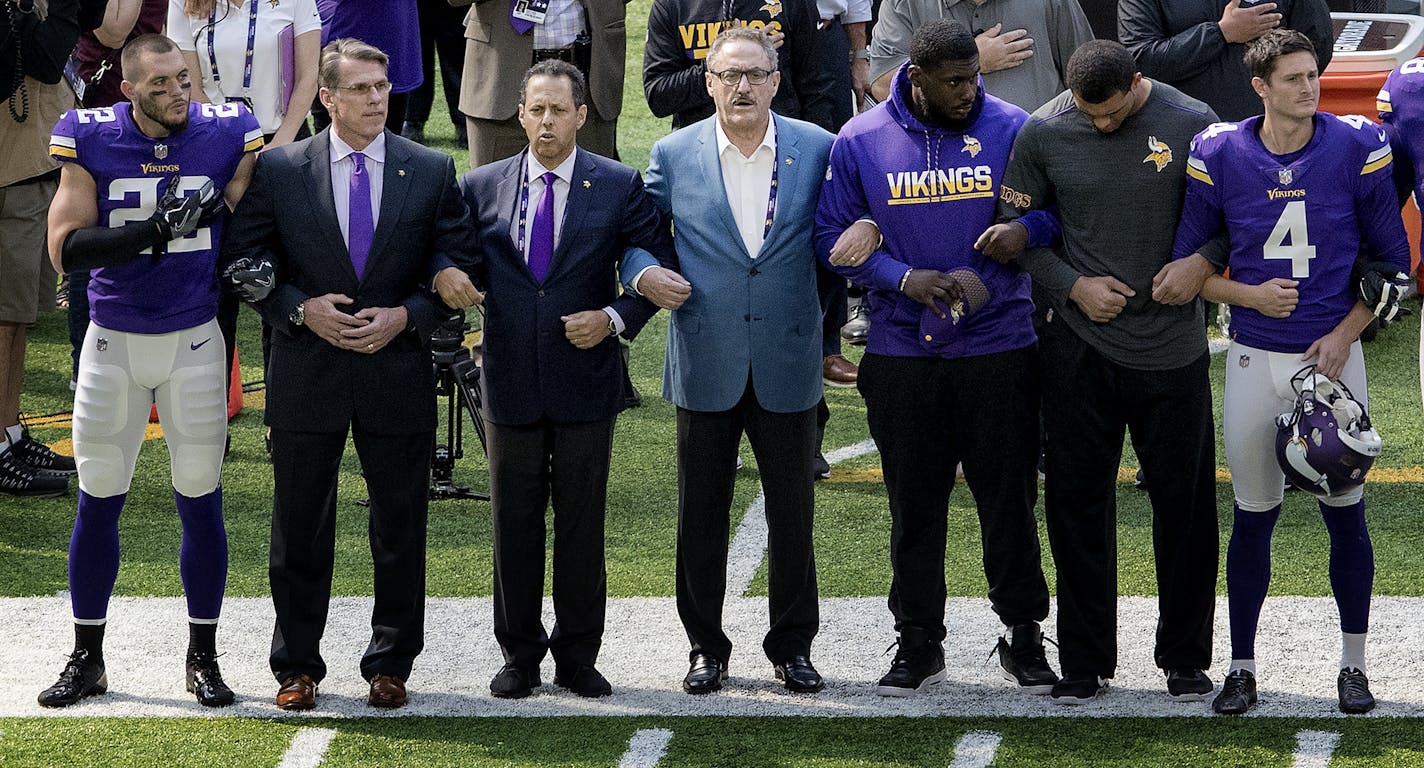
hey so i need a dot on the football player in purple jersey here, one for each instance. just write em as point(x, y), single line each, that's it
point(1401, 107)
point(1298, 192)
point(141, 204)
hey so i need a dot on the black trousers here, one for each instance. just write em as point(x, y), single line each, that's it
point(928, 414)
point(1088, 403)
point(529, 464)
point(397, 472)
point(784, 444)
point(442, 31)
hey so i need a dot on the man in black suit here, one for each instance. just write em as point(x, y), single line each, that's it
point(553, 225)
point(351, 225)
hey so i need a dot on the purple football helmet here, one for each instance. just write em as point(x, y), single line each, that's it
point(1325, 445)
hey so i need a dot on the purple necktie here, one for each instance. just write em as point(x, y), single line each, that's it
point(521, 26)
point(541, 238)
point(360, 228)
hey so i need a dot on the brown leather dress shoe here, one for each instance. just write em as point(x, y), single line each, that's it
point(298, 692)
point(837, 371)
point(387, 692)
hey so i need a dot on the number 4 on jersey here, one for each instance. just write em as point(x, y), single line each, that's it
point(1291, 226)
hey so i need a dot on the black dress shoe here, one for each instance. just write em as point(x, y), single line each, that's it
point(583, 680)
point(80, 678)
point(704, 674)
point(203, 680)
point(798, 676)
point(514, 683)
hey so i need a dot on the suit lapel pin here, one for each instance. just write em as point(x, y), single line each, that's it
point(400, 172)
point(788, 161)
point(587, 184)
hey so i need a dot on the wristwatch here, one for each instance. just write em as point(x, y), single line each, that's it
point(299, 315)
point(862, 54)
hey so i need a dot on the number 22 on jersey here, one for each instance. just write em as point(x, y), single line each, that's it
point(1291, 227)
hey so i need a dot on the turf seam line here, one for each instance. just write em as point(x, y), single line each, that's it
point(308, 748)
point(646, 748)
point(976, 749)
point(1314, 748)
point(749, 546)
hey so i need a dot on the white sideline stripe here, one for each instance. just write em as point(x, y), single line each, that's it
point(308, 748)
point(976, 750)
point(644, 656)
point(749, 546)
point(1313, 749)
point(646, 748)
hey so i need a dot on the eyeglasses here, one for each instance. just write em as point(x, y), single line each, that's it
point(733, 77)
point(361, 89)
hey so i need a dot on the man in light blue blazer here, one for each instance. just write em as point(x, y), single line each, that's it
point(744, 350)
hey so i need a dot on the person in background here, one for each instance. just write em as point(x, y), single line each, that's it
point(390, 25)
point(442, 32)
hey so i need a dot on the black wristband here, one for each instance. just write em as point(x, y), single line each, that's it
point(94, 247)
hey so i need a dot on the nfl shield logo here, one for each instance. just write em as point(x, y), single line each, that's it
point(160, 151)
point(1285, 175)
point(101, 344)
point(1244, 361)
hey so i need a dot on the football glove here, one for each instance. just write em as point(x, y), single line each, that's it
point(252, 279)
point(177, 215)
point(1380, 287)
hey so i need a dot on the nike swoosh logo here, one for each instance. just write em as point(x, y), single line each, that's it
point(265, 282)
point(201, 343)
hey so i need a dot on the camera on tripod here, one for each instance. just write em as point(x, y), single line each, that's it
point(457, 379)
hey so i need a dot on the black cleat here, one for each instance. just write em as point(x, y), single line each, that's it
point(203, 680)
point(20, 479)
point(41, 459)
point(1023, 660)
point(1079, 690)
point(1238, 694)
point(81, 678)
point(511, 682)
point(1186, 684)
point(913, 671)
point(1354, 688)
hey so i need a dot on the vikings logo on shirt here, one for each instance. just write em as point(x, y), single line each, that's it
point(1159, 153)
point(972, 146)
point(772, 8)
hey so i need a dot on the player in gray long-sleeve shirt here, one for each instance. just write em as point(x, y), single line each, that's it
point(1111, 156)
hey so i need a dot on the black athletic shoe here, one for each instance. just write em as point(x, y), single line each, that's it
point(1355, 696)
point(40, 458)
point(1079, 690)
point(914, 669)
point(80, 678)
point(1186, 684)
point(1238, 694)
point(203, 680)
point(18, 478)
point(1023, 660)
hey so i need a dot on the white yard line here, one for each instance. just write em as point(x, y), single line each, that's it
point(646, 748)
point(644, 655)
point(749, 546)
point(976, 750)
point(1313, 749)
point(308, 748)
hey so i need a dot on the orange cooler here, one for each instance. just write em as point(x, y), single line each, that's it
point(1368, 46)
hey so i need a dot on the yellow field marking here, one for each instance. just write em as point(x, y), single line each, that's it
point(1129, 474)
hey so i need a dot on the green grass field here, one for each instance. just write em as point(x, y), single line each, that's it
point(852, 542)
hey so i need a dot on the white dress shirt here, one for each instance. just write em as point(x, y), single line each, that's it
point(342, 167)
point(563, 178)
point(747, 181)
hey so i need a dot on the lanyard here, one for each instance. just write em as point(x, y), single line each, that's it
point(524, 201)
point(771, 197)
point(251, 44)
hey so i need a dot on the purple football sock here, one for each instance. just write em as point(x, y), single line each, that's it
point(202, 562)
point(94, 555)
point(1352, 564)
point(1248, 575)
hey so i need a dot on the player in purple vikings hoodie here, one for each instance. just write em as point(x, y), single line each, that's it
point(950, 370)
point(140, 203)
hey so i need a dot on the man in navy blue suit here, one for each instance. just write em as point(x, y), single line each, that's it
point(553, 224)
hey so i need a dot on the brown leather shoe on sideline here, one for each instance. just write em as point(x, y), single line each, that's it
point(298, 692)
point(387, 692)
point(837, 371)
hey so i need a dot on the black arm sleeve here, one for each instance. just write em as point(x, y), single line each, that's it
point(672, 82)
point(94, 247)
